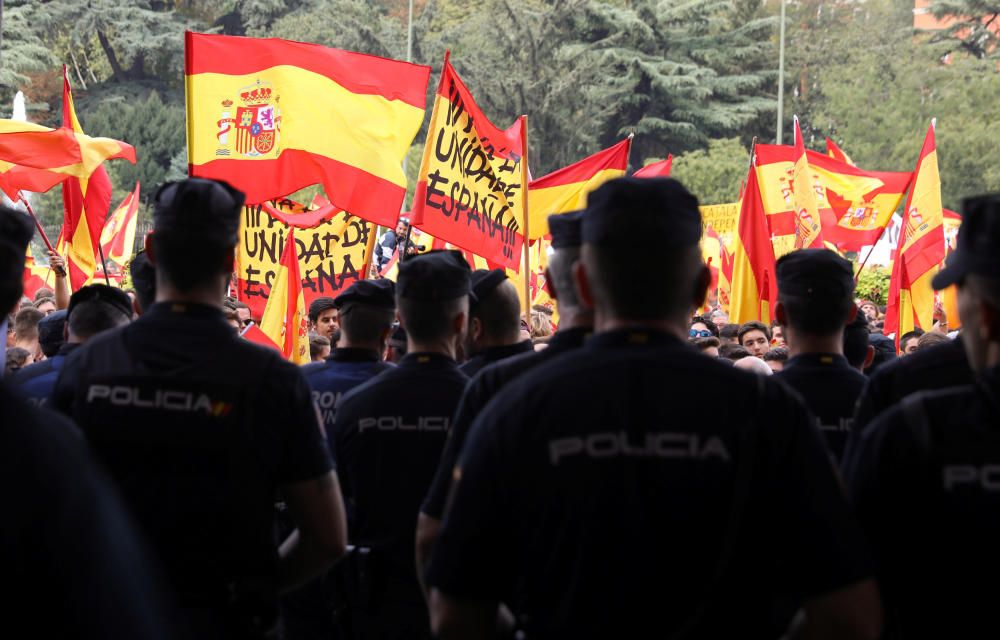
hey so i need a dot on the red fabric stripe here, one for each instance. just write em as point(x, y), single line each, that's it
point(926, 253)
point(40, 149)
point(756, 241)
point(358, 73)
point(349, 188)
point(659, 169)
point(615, 157)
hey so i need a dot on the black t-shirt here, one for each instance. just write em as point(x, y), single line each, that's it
point(594, 497)
point(925, 480)
point(388, 438)
point(478, 392)
point(830, 388)
point(200, 429)
point(488, 356)
point(72, 561)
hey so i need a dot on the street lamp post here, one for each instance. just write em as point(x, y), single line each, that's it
point(781, 73)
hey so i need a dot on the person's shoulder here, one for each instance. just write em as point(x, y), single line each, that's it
point(31, 372)
point(36, 432)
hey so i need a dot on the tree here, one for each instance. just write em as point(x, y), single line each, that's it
point(22, 48)
point(973, 26)
point(714, 175)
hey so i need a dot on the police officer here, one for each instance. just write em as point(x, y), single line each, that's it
point(575, 324)
point(201, 429)
point(595, 500)
point(72, 561)
point(388, 438)
point(92, 309)
point(143, 277)
point(366, 311)
point(494, 321)
point(925, 477)
point(815, 303)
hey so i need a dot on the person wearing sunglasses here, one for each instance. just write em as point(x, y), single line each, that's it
point(702, 327)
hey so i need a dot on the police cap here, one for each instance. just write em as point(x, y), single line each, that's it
point(817, 273)
point(485, 281)
point(565, 229)
point(978, 238)
point(659, 208)
point(51, 332)
point(380, 294)
point(100, 293)
point(432, 276)
point(319, 305)
point(199, 208)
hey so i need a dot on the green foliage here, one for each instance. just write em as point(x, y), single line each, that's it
point(715, 174)
point(24, 49)
point(974, 26)
point(873, 284)
point(155, 129)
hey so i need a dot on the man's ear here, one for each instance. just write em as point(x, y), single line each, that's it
point(852, 315)
point(701, 287)
point(150, 252)
point(869, 357)
point(781, 314)
point(582, 282)
point(550, 286)
point(475, 328)
point(230, 263)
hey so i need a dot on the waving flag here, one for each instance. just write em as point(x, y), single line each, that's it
point(272, 116)
point(753, 287)
point(659, 169)
point(118, 235)
point(566, 189)
point(472, 187)
point(920, 250)
point(808, 228)
point(284, 320)
point(837, 153)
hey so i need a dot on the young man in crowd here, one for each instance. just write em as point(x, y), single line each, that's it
point(755, 337)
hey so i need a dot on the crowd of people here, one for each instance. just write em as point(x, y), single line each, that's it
point(448, 467)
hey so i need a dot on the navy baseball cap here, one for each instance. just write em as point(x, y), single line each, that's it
point(435, 275)
point(659, 208)
point(373, 293)
point(566, 229)
point(207, 209)
point(814, 273)
point(978, 239)
point(484, 281)
point(100, 293)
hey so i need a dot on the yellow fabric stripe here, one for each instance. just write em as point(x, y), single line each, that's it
point(562, 199)
point(317, 115)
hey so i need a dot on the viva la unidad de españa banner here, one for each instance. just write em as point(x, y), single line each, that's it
point(332, 256)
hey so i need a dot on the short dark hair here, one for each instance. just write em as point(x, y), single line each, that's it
point(916, 333)
point(26, 322)
point(753, 325)
point(816, 315)
point(733, 352)
point(15, 358)
point(40, 301)
point(729, 331)
point(777, 354)
point(930, 339)
point(364, 323)
point(499, 311)
point(143, 275)
point(316, 344)
point(91, 317)
point(707, 343)
point(427, 320)
point(190, 261)
point(44, 292)
point(856, 342)
point(633, 285)
point(714, 328)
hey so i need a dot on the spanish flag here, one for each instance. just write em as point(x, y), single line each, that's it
point(920, 250)
point(837, 153)
point(118, 235)
point(724, 273)
point(808, 230)
point(473, 182)
point(659, 169)
point(271, 116)
point(285, 320)
point(36, 276)
point(949, 296)
point(566, 189)
point(753, 287)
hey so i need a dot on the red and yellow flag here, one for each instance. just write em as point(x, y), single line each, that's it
point(36, 276)
point(920, 250)
point(285, 320)
point(118, 235)
point(472, 188)
point(724, 272)
point(753, 287)
point(837, 153)
point(808, 228)
point(272, 116)
point(659, 169)
point(566, 189)
point(86, 201)
point(949, 296)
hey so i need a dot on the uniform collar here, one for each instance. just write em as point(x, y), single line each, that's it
point(67, 348)
point(570, 338)
point(633, 337)
point(353, 354)
point(425, 359)
point(492, 354)
point(183, 310)
point(817, 360)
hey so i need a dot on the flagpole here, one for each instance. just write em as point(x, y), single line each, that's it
point(781, 75)
point(527, 259)
point(857, 275)
point(38, 225)
point(104, 264)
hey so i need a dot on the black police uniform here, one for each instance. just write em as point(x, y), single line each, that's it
point(199, 428)
point(480, 390)
point(36, 382)
point(830, 387)
point(387, 440)
point(596, 501)
point(925, 480)
point(568, 507)
point(71, 557)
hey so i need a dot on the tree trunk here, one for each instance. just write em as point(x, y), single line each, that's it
point(116, 67)
point(136, 72)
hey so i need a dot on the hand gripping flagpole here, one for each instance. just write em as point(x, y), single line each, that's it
point(38, 225)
